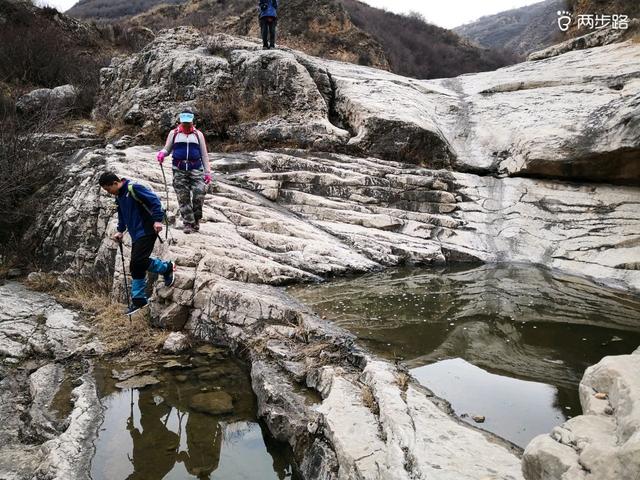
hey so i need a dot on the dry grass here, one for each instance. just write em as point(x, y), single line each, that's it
point(403, 381)
point(114, 330)
point(369, 400)
point(121, 336)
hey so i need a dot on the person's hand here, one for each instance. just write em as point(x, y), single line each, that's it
point(118, 236)
point(157, 226)
point(207, 178)
point(160, 156)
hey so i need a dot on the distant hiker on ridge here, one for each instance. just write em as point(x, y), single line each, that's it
point(189, 153)
point(140, 213)
point(268, 17)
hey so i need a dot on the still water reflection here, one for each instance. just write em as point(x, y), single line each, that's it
point(160, 432)
point(509, 343)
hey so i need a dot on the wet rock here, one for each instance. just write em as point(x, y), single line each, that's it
point(604, 442)
point(176, 342)
point(181, 378)
point(478, 418)
point(320, 462)
point(138, 382)
point(213, 403)
point(69, 455)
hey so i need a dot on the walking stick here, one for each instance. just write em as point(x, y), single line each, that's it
point(166, 216)
point(124, 274)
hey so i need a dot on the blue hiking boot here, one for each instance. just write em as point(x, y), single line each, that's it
point(169, 277)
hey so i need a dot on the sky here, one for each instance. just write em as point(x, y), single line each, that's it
point(447, 13)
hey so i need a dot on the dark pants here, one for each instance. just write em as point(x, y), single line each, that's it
point(268, 30)
point(140, 253)
point(141, 263)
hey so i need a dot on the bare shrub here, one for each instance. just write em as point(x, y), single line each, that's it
point(36, 52)
point(24, 169)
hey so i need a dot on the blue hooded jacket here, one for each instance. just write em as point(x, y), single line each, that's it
point(132, 216)
point(268, 8)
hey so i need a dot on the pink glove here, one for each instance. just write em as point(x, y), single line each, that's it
point(160, 156)
point(207, 178)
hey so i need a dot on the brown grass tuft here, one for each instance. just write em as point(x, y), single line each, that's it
point(369, 400)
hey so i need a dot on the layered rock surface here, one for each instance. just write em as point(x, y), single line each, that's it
point(291, 216)
point(574, 116)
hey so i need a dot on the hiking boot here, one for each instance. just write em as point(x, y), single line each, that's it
point(196, 226)
point(188, 228)
point(137, 305)
point(169, 277)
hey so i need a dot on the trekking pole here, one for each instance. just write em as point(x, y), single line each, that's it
point(166, 216)
point(124, 274)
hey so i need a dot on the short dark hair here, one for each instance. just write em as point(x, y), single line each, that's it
point(108, 178)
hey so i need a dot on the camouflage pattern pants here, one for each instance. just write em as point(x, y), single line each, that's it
point(190, 190)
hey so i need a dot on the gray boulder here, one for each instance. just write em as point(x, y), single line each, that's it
point(43, 99)
point(604, 442)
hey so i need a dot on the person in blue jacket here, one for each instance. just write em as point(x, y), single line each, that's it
point(140, 213)
point(268, 17)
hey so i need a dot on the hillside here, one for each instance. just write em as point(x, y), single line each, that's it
point(114, 9)
point(520, 31)
point(418, 49)
point(346, 30)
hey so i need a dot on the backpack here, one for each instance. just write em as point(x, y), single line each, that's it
point(133, 194)
point(263, 5)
